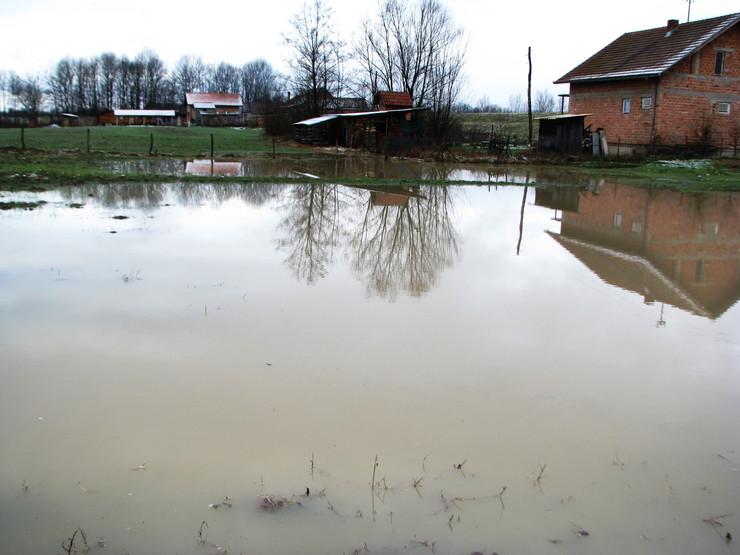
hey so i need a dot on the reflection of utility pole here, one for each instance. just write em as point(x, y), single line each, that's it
point(521, 218)
point(555, 217)
point(661, 323)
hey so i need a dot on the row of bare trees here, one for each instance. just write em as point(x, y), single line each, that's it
point(94, 85)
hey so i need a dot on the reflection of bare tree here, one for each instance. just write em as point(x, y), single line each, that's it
point(405, 247)
point(151, 195)
point(314, 228)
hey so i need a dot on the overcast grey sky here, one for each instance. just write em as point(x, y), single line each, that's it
point(37, 33)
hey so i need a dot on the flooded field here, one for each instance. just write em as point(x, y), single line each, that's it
point(266, 369)
point(329, 166)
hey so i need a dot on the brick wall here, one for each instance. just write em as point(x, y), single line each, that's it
point(686, 108)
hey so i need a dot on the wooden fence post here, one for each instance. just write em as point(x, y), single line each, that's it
point(151, 143)
point(211, 146)
point(273, 147)
point(87, 140)
point(529, 94)
point(23, 137)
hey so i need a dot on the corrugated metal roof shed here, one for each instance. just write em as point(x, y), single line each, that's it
point(649, 53)
point(219, 99)
point(144, 113)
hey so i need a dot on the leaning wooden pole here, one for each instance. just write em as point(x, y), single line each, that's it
point(529, 93)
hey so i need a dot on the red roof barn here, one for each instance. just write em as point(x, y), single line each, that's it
point(673, 85)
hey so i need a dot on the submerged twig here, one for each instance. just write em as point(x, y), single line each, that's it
point(225, 503)
point(70, 547)
point(201, 535)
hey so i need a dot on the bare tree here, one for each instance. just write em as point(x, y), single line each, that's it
point(317, 56)
point(190, 75)
point(108, 77)
point(155, 75)
point(225, 78)
point(28, 93)
point(544, 101)
point(517, 103)
point(414, 47)
point(259, 83)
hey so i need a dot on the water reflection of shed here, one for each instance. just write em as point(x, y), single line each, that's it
point(562, 134)
point(211, 167)
point(557, 198)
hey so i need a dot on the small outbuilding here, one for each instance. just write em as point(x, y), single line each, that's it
point(562, 134)
point(214, 109)
point(139, 117)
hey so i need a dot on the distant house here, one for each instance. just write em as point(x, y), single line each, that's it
point(214, 109)
point(673, 85)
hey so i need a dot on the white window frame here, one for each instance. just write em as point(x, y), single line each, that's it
point(626, 105)
point(717, 54)
point(646, 102)
point(721, 105)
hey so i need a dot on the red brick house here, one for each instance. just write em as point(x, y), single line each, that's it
point(674, 85)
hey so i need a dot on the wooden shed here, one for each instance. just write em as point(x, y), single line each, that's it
point(562, 134)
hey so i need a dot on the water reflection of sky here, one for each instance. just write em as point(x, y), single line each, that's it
point(150, 345)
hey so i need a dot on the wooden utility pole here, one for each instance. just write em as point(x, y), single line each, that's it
point(87, 140)
point(688, 17)
point(211, 147)
point(529, 94)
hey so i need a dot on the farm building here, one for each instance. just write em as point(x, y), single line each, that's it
point(674, 86)
point(139, 117)
point(214, 109)
point(562, 134)
point(381, 131)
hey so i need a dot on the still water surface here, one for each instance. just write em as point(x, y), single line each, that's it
point(250, 341)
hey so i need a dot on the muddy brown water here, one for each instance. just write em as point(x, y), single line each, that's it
point(259, 340)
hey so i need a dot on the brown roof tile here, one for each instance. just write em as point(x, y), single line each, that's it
point(392, 98)
point(651, 52)
point(220, 99)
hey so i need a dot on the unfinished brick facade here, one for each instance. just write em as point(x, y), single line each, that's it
point(688, 104)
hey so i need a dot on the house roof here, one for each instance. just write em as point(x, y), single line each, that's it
point(391, 98)
point(649, 53)
point(144, 113)
point(219, 99)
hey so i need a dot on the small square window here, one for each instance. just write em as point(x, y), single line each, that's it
point(710, 228)
point(719, 62)
point(626, 105)
point(617, 219)
point(647, 102)
point(636, 227)
point(723, 108)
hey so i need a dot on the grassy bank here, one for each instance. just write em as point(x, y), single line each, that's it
point(178, 142)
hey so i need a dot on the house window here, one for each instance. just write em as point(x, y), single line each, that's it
point(723, 108)
point(719, 62)
point(711, 228)
point(617, 219)
point(626, 105)
point(647, 102)
point(699, 271)
point(636, 227)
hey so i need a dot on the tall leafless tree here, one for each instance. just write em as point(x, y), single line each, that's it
point(317, 57)
point(415, 47)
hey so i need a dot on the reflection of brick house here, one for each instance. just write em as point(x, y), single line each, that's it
point(672, 247)
point(673, 85)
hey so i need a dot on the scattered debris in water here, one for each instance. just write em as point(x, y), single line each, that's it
point(76, 205)
point(581, 533)
point(119, 217)
point(131, 276)
point(17, 205)
point(225, 503)
point(728, 537)
point(24, 487)
point(142, 466)
point(272, 503)
point(201, 535)
point(459, 466)
point(102, 542)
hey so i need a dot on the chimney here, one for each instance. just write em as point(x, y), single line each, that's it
point(672, 24)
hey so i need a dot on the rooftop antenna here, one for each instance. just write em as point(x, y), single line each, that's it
point(688, 17)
